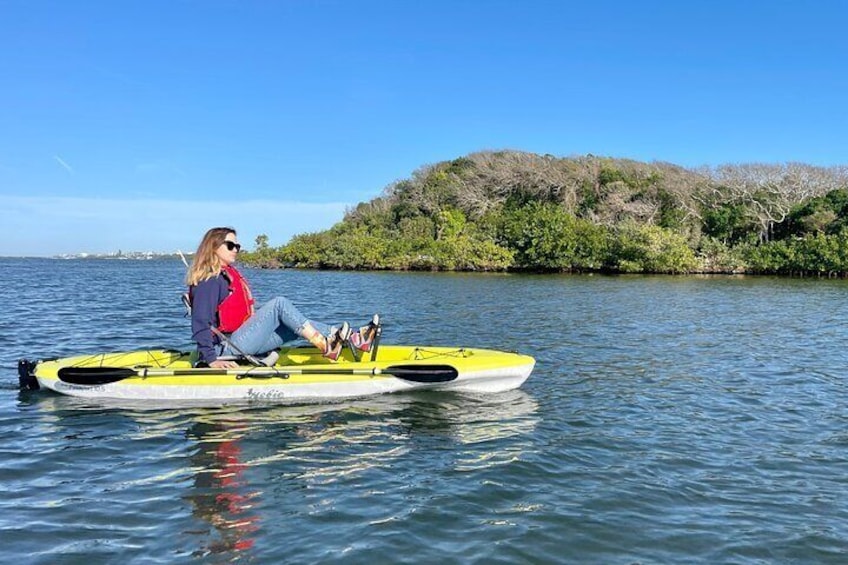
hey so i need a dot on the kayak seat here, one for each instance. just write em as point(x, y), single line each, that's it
point(186, 301)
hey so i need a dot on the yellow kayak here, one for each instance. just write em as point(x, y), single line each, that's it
point(300, 374)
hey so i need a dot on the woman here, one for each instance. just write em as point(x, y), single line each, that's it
point(223, 320)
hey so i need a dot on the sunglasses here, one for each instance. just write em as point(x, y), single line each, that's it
point(231, 245)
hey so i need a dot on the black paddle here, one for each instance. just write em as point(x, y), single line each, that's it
point(106, 375)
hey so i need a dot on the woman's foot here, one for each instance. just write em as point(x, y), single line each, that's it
point(363, 338)
point(335, 341)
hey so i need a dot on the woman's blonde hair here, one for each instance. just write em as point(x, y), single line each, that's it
point(206, 263)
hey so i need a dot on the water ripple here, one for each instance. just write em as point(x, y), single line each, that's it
point(670, 419)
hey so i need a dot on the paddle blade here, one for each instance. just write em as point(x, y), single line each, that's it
point(94, 375)
point(423, 373)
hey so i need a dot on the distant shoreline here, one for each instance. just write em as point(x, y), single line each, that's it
point(122, 256)
point(140, 256)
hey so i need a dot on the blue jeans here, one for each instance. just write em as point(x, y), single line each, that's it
point(278, 321)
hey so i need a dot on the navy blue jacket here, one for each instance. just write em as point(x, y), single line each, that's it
point(205, 298)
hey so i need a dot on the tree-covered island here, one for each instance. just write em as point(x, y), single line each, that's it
point(517, 211)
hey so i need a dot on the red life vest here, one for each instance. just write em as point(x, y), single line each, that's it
point(236, 308)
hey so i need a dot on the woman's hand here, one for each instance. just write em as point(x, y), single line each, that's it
point(223, 364)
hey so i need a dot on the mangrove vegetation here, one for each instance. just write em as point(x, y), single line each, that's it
point(518, 211)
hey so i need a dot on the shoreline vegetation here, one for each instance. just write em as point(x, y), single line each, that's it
point(524, 212)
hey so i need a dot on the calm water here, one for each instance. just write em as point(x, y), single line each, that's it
point(669, 420)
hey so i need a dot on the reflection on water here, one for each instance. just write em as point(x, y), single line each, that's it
point(220, 495)
point(239, 467)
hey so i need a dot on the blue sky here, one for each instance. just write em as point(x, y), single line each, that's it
point(136, 125)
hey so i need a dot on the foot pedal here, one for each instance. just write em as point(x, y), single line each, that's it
point(270, 359)
point(376, 345)
point(353, 351)
point(378, 330)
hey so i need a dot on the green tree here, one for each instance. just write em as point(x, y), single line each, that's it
point(544, 236)
point(650, 249)
point(728, 223)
